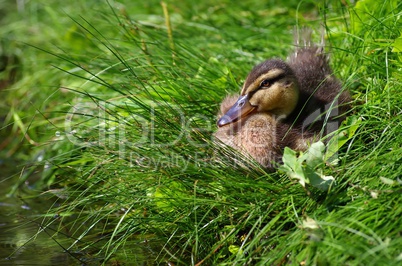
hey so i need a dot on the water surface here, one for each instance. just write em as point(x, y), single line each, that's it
point(22, 239)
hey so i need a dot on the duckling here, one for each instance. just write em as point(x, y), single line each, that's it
point(282, 104)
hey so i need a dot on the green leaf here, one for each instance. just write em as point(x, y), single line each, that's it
point(397, 47)
point(321, 181)
point(289, 158)
point(306, 168)
point(234, 249)
point(292, 166)
point(164, 196)
point(367, 12)
point(314, 155)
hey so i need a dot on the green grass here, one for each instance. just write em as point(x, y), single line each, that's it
point(116, 107)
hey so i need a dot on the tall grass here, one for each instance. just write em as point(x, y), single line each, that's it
point(131, 161)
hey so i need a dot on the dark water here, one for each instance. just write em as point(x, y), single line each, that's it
point(22, 240)
point(25, 238)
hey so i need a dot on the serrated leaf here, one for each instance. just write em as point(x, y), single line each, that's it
point(289, 157)
point(321, 182)
point(300, 175)
point(292, 166)
point(304, 167)
point(314, 155)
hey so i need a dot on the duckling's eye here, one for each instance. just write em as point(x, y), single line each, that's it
point(265, 83)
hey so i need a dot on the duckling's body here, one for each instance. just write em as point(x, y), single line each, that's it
point(255, 136)
point(282, 104)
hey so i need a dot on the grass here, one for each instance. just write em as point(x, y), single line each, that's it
point(118, 108)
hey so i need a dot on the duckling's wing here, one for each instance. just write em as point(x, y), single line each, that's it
point(320, 91)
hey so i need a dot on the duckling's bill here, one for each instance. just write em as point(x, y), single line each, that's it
point(240, 109)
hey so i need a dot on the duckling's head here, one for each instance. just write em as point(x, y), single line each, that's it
point(270, 87)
